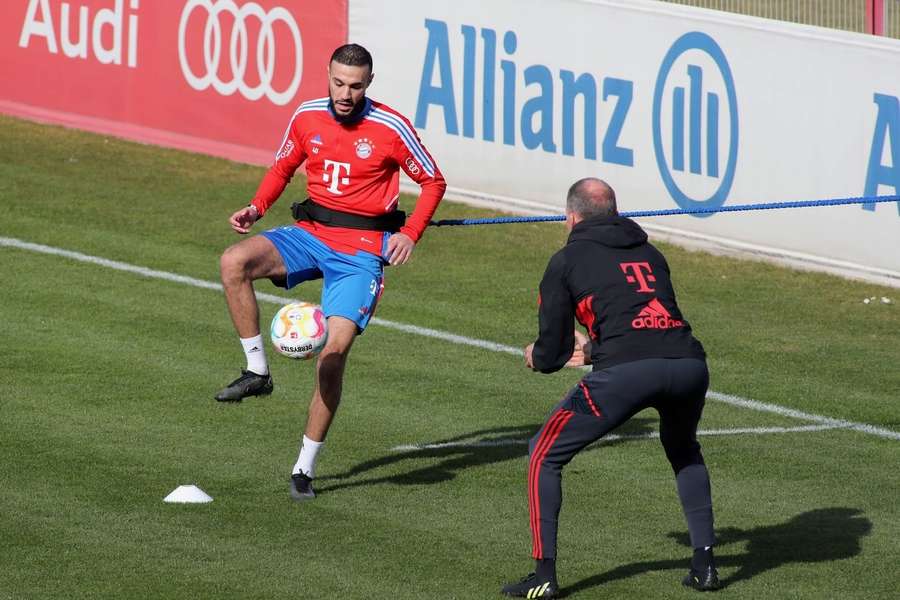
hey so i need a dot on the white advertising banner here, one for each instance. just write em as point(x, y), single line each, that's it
point(675, 107)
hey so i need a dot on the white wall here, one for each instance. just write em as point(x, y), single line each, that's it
point(796, 121)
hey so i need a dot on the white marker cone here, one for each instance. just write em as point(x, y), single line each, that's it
point(188, 494)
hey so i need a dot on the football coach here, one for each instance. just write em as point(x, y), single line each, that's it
point(644, 355)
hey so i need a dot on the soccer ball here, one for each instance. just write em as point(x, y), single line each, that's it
point(299, 330)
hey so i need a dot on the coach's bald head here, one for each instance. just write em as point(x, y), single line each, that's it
point(589, 197)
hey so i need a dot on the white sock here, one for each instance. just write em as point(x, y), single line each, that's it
point(306, 462)
point(255, 351)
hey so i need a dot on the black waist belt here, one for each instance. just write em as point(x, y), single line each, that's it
point(308, 210)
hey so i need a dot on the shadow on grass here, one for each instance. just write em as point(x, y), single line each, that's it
point(818, 536)
point(445, 458)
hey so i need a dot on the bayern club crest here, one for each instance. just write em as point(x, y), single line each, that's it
point(364, 148)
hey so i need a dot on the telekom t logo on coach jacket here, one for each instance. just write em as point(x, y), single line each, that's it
point(634, 273)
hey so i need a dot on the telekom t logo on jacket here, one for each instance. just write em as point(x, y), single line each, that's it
point(335, 176)
point(635, 273)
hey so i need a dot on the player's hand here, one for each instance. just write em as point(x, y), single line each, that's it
point(399, 248)
point(529, 361)
point(581, 355)
point(242, 220)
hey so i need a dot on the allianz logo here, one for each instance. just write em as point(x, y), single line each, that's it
point(694, 115)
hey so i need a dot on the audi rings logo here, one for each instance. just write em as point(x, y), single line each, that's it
point(412, 166)
point(238, 50)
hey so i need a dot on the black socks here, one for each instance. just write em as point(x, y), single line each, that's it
point(702, 559)
point(545, 569)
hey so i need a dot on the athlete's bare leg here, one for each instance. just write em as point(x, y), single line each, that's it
point(329, 377)
point(242, 264)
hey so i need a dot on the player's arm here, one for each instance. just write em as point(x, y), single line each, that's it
point(287, 160)
point(556, 321)
point(416, 162)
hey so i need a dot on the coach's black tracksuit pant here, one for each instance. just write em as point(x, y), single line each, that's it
point(603, 400)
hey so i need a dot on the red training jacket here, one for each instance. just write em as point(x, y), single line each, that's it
point(355, 168)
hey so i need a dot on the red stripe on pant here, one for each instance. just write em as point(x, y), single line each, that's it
point(551, 432)
point(590, 401)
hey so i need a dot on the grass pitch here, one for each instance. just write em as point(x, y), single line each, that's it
point(107, 379)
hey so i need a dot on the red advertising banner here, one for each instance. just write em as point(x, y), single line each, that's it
point(216, 76)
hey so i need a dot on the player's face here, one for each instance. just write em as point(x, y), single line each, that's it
point(347, 86)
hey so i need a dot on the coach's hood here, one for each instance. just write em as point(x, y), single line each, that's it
point(614, 232)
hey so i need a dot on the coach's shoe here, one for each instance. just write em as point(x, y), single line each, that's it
point(532, 587)
point(248, 384)
point(703, 575)
point(301, 487)
point(704, 580)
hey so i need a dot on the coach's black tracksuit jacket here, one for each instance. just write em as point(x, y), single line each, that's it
point(618, 286)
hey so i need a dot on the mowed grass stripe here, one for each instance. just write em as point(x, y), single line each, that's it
point(431, 333)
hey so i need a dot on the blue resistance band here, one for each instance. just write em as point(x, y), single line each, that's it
point(680, 211)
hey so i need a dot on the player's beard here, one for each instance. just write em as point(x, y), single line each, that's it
point(352, 115)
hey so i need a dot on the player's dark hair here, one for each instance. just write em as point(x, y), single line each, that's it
point(352, 55)
point(591, 197)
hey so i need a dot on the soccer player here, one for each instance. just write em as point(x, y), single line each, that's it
point(354, 148)
point(643, 353)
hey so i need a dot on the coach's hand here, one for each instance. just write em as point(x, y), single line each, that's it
point(399, 248)
point(581, 355)
point(242, 220)
point(529, 352)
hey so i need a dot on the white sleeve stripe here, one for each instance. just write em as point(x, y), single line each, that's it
point(416, 151)
point(319, 104)
point(406, 135)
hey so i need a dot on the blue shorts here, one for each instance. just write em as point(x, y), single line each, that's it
point(352, 283)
